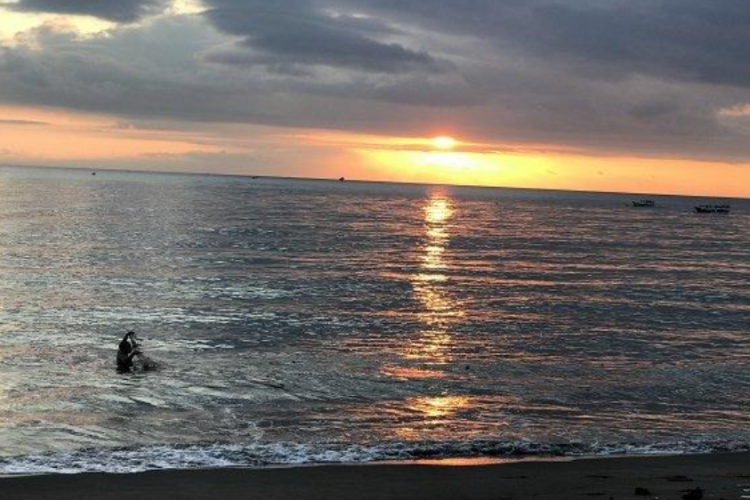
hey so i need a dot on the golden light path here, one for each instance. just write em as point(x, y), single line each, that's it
point(439, 309)
point(439, 312)
point(440, 407)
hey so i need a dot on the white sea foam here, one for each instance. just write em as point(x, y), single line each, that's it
point(132, 460)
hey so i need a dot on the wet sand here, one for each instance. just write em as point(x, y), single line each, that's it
point(720, 476)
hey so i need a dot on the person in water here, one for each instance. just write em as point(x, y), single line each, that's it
point(127, 351)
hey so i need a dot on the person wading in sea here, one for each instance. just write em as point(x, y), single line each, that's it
point(127, 350)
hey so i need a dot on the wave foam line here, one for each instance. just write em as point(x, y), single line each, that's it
point(131, 460)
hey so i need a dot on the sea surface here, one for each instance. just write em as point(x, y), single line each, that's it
point(305, 322)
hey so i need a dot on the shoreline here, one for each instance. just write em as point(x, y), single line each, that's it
point(720, 475)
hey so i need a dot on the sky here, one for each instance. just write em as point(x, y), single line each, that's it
point(648, 96)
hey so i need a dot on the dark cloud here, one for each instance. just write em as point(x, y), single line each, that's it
point(648, 111)
point(157, 72)
point(691, 40)
point(296, 33)
point(123, 11)
point(135, 73)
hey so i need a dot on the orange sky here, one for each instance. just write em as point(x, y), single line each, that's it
point(39, 136)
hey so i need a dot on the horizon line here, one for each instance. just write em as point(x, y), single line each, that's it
point(365, 181)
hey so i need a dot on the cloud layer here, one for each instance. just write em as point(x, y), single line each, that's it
point(293, 34)
point(676, 39)
point(651, 77)
point(124, 11)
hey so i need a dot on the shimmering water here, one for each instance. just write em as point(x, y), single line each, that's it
point(301, 321)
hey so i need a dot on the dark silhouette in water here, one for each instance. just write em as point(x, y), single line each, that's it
point(127, 351)
point(643, 203)
point(713, 209)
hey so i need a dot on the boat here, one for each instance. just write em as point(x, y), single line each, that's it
point(712, 209)
point(644, 203)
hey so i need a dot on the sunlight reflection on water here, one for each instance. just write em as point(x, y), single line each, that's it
point(432, 284)
point(295, 311)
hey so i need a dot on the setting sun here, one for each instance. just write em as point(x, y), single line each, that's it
point(444, 142)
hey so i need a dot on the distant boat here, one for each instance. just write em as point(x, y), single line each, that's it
point(712, 209)
point(644, 203)
point(342, 179)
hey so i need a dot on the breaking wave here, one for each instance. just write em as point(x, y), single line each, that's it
point(258, 455)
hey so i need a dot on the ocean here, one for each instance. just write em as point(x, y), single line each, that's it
point(308, 322)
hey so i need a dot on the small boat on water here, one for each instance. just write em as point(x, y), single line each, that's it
point(644, 203)
point(712, 209)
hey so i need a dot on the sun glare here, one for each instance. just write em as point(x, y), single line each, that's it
point(444, 142)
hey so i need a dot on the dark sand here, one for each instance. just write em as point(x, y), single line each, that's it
point(724, 476)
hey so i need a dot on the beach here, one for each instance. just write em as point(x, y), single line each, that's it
point(666, 477)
